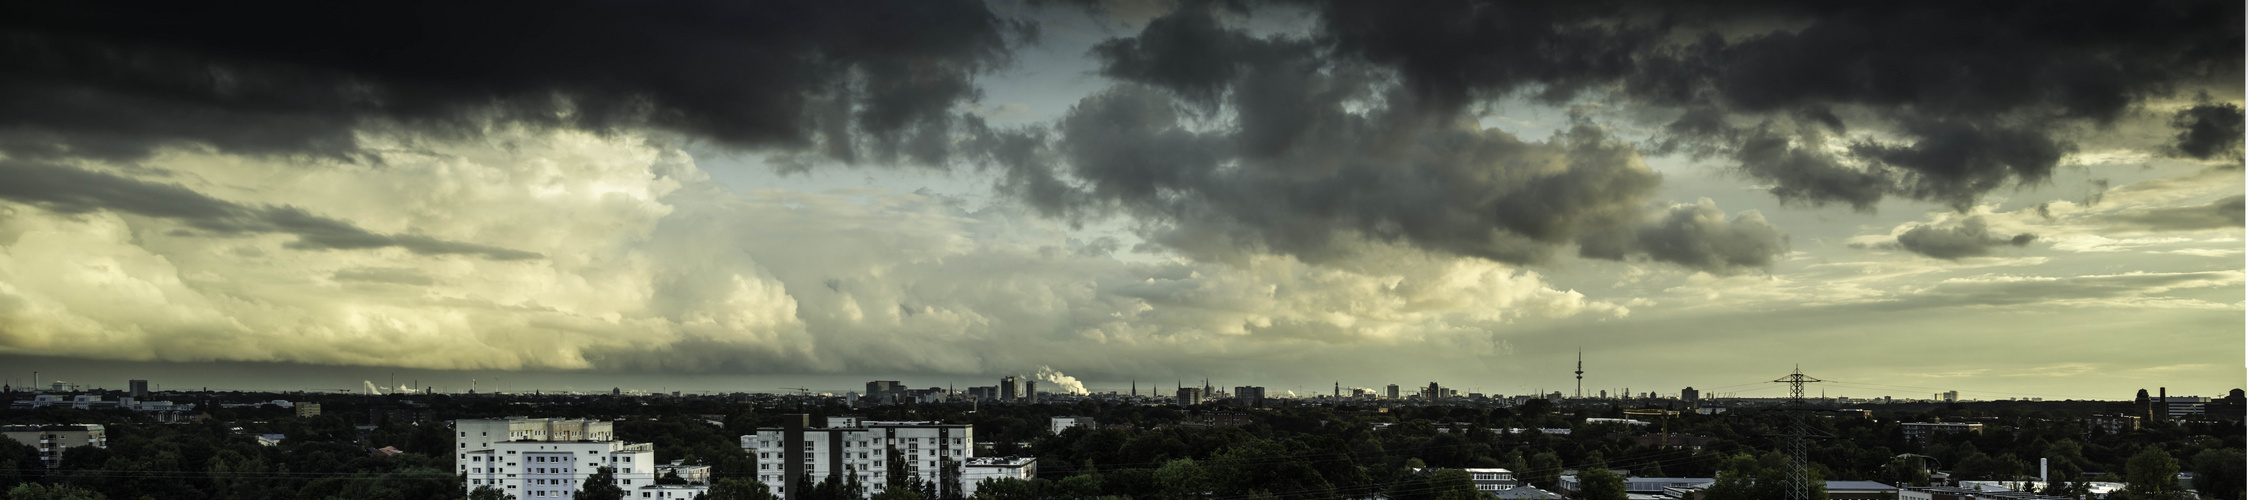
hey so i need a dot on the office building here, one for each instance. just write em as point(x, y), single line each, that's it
point(53, 440)
point(884, 391)
point(849, 446)
point(1190, 396)
point(531, 458)
point(1030, 391)
point(1250, 396)
point(138, 388)
point(1010, 388)
point(1690, 396)
point(1393, 391)
point(308, 410)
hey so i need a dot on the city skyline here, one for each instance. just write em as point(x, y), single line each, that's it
point(2019, 200)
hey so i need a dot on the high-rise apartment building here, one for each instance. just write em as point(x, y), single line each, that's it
point(1393, 391)
point(1010, 387)
point(531, 458)
point(850, 447)
point(138, 388)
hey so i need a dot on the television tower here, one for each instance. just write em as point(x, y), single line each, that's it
point(1580, 373)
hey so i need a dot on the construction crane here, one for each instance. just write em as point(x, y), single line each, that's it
point(800, 391)
point(1653, 412)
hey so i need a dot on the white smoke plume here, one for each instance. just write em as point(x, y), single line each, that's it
point(371, 389)
point(1063, 384)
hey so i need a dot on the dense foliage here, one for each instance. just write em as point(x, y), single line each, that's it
point(1139, 451)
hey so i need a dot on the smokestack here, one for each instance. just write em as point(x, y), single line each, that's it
point(2042, 470)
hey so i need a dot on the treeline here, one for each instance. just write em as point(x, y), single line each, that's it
point(1404, 453)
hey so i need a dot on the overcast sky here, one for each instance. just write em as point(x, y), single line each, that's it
point(2008, 199)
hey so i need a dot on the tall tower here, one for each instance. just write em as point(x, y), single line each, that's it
point(1580, 373)
point(1798, 475)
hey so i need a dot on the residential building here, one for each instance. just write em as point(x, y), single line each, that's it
point(53, 440)
point(1491, 480)
point(530, 458)
point(138, 388)
point(1010, 387)
point(1190, 395)
point(1919, 432)
point(1690, 396)
point(849, 446)
point(2113, 424)
point(690, 473)
point(1065, 423)
point(308, 410)
point(979, 469)
point(1393, 391)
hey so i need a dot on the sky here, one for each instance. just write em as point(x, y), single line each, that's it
point(2007, 199)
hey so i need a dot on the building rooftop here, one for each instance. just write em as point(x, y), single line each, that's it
point(1000, 461)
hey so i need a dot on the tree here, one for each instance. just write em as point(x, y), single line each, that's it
point(2218, 473)
point(1181, 478)
point(1545, 469)
point(1453, 484)
point(1599, 484)
point(602, 485)
point(895, 468)
point(488, 493)
point(2152, 474)
point(738, 489)
point(36, 491)
point(1008, 488)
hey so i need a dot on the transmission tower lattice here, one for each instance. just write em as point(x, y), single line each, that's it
point(1798, 471)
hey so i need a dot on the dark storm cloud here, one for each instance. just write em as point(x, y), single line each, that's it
point(1975, 95)
point(2208, 131)
point(1978, 95)
point(74, 191)
point(1224, 142)
point(1971, 238)
point(114, 79)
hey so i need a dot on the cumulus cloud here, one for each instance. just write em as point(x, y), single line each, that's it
point(1971, 238)
point(648, 265)
point(117, 79)
point(1696, 235)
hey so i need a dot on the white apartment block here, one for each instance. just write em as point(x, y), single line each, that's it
point(531, 458)
point(54, 440)
point(849, 447)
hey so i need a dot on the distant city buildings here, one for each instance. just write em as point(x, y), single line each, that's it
point(162, 411)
